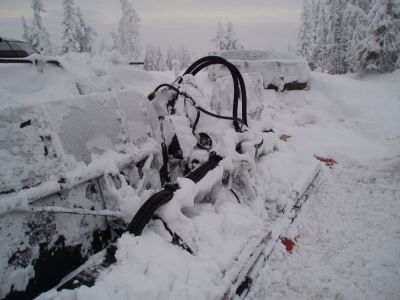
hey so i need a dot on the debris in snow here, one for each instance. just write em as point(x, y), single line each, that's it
point(330, 162)
point(284, 137)
point(289, 244)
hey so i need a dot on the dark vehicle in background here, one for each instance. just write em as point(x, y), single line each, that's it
point(10, 48)
point(14, 51)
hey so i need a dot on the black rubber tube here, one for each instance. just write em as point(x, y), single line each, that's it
point(149, 208)
point(238, 82)
point(193, 102)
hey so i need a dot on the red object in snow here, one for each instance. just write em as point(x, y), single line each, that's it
point(289, 244)
point(327, 161)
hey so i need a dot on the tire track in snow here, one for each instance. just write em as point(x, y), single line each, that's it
point(348, 244)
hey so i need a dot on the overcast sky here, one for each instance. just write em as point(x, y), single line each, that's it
point(260, 24)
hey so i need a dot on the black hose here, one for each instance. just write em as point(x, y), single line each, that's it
point(196, 106)
point(149, 208)
point(238, 82)
point(239, 89)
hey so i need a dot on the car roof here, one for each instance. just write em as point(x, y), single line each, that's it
point(7, 39)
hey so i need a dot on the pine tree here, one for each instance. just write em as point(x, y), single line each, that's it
point(184, 57)
point(153, 59)
point(379, 51)
point(127, 38)
point(71, 24)
point(27, 32)
point(356, 22)
point(148, 58)
point(170, 57)
point(37, 35)
point(226, 38)
point(335, 55)
point(305, 40)
point(231, 40)
point(219, 40)
point(86, 34)
point(318, 58)
point(159, 62)
point(314, 17)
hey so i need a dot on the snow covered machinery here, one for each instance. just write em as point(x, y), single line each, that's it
point(220, 188)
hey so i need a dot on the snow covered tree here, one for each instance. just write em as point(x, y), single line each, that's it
point(86, 34)
point(226, 38)
point(154, 59)
point(78, 36)
point(318, 58)
point(379, 51)
point(315, 8)
point(219, 40)
point(70, 34)
point(180, 54)
point(149, 58)
point(231, 40)
point(354, 35)
point(184, 56)
point(335, 55)
point(170, 57)
point(305, 40)
point(127, 38)
point(37, 35)
point(160, 63)
point(27, 32)
point(356, 22)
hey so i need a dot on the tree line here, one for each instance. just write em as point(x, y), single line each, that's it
point(78, 36)
point(181, 57)
point(341, 36)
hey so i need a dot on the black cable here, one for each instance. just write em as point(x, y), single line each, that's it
point(149, 208)
point(238, 81)
point(238, 86)
point(176, 239)
point(167, 85)
point(194, 103)
point(196, 122)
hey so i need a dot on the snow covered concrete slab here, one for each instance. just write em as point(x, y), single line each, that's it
point(280, 71)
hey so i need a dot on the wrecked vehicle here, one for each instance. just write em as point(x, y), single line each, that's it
point(81, 176)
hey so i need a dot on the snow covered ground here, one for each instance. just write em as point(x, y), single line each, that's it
point(347, 239)
point(348, 234)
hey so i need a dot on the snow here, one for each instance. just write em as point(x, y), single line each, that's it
point(346, 238)
point(53, 140)
point(258, 55)
point(276, 68)
point(222, 95)
point(20, 83)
